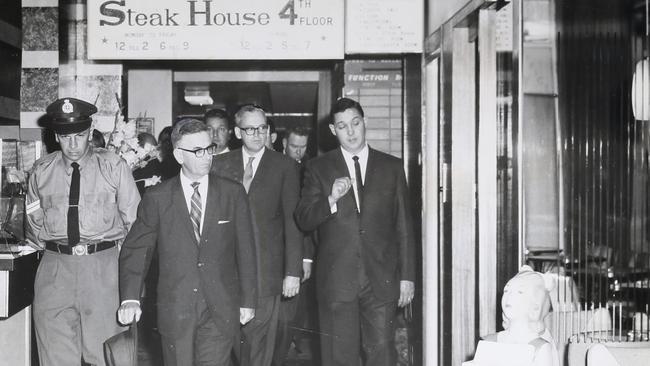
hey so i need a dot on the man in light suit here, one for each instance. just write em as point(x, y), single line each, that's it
point(271, 180)
point(201, 225)
point(357, 200)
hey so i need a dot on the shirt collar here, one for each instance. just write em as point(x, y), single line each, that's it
point(66, 164)
point(363, 154)
point(185, 181)
point(257, 155)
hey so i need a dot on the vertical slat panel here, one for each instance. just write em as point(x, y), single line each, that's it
point(463, 172)
point(487, 173)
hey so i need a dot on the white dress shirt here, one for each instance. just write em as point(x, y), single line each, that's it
point(188, 191)
point(349, 162)
point(256, 161)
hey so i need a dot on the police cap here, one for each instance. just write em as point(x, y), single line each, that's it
point(70, 115)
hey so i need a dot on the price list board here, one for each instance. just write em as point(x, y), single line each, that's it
point(384, 26)
point(215, 29)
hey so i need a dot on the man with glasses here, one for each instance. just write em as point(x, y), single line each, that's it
point(217, 121)
point(271, 180)
point(201, 226)
point(80, 204)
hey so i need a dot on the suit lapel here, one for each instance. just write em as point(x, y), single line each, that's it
point(371, 172)
point(236, 166)
point(262, 169)
point(211, 216)
point(178, 201)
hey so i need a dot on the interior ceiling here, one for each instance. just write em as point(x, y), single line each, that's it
point(275, 97)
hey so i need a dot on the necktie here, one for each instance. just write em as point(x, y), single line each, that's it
point(73, 206)
point(195, 211)
point(357, 177)
point(248, 173)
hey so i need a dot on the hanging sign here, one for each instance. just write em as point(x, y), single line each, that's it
point(215, 29)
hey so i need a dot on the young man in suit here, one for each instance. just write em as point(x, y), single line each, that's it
point(356, 197)
point(271, 180)
point(202, 228)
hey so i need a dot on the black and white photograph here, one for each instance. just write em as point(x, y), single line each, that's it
point(324, 182)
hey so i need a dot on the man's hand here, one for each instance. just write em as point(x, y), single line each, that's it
point(290, 286)
point(406, 293)
point(340, 187)
point(306, 270)
point(129, 311)
point(245, 315)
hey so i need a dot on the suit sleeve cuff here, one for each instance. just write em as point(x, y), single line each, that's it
point(307, 260)
point(128, 301)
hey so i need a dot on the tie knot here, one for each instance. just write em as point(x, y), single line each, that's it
point(355, 158)
point(195, 185)
point(250, 160)
point(75, 165)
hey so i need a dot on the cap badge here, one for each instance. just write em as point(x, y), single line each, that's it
point(67, 106)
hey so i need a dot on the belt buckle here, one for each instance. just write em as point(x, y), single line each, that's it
point(80, 250)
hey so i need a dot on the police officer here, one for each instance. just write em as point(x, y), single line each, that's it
point(80, 204)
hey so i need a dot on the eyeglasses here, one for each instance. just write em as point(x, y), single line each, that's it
point(250, 131)
point(199, 153)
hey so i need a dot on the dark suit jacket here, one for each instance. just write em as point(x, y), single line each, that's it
point(221, 267)
point(308, 248)
point(382, 231)
point(273, 196)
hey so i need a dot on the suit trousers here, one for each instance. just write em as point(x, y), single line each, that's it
point(75, 301)
point(366, 322)
point(202, 344)
point(295, 321)
point(258, 336)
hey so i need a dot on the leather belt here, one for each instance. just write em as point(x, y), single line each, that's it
point(79, 249)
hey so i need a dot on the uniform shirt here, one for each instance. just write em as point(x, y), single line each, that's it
point(108, 198)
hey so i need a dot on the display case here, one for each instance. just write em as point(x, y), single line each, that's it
point(18, 259)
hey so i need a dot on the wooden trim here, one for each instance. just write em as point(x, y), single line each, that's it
point(430, 215)
point(243, 76)
point(463, 180)
point(487, 173)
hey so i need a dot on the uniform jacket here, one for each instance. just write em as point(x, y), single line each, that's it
point(221, 267)
point(381, 235)
point(273, 197)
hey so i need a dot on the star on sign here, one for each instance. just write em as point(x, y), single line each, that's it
point(104, 40)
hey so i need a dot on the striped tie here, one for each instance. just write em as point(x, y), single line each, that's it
point(195, 211)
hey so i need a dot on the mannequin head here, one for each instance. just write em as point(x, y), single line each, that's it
point(526, 300)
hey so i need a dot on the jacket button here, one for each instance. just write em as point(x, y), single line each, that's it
point(200, 264)
point(362, 232)
point(195, 289)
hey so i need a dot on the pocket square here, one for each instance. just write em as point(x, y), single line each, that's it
point(223, 222)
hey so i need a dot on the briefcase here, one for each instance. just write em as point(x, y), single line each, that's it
point(122, 348)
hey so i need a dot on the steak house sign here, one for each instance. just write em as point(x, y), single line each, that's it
point(215, 29)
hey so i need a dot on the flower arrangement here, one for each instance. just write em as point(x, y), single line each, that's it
point(124, 142)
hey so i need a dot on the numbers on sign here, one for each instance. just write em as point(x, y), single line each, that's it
point(289, 12)
point(120, 46)
point(245, 45)
point(163, 45)
point(307, 43)
point(186, 45)
point(145, 46)
point(269, 45)
point(285, 45)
